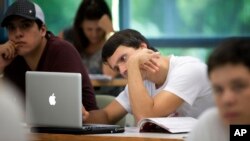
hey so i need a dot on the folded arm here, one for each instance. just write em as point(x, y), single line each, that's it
point(142, 104)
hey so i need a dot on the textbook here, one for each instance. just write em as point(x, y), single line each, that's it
point(167, 124)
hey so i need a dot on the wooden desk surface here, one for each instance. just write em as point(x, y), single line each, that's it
point(127, 136)
point(113, 82)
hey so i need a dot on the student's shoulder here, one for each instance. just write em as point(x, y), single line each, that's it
point(59, 42)
point(191, 65)
point(56, 44)
point(211, 112)
point(188, 63)
point(59, 48)
point(184, 59)
point(209, 127)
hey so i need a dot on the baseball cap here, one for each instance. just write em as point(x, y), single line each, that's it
point(25, 9)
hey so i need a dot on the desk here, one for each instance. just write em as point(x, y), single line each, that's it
point(127, 136)
point(113, 82)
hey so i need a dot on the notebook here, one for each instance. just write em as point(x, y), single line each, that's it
point(54, 103)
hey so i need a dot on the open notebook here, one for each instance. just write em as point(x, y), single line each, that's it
point(54, 104)
point(167, 124)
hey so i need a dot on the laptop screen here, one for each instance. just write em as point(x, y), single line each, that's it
point(53, 104)
point(53, 99)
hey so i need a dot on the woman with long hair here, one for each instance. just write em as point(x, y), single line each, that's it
point(92, 26)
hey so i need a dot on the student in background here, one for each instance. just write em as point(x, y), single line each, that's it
point(158, 86)
point(32, 48)
point(92, 25)
point(229, 72)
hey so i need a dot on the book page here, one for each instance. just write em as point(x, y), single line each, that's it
point(169, 124)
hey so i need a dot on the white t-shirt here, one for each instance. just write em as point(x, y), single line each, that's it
point(209, 127)
point(186, 78)
point(11, 128)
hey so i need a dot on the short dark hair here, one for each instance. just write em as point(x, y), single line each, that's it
point(39, 23)
point(127, 37)
point(231, 51)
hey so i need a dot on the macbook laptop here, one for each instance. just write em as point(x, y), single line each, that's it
point(54, 104)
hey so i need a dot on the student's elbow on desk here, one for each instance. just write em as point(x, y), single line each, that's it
point(164, 104)
point(139, 117)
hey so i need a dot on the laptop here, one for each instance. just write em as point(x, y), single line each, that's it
point(54, 104)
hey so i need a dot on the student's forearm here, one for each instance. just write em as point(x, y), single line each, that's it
point(7, 54)
point(97, 116)
point(138, 94)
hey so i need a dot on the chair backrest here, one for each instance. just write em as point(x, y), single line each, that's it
point(104, 100)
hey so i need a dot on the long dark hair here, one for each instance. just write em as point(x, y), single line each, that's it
point(91, 10)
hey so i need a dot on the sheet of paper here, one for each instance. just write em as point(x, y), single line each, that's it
point(100, 77)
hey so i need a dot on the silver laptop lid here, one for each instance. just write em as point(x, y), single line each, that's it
point(53, 99)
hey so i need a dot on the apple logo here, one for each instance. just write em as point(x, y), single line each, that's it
point(52, 99)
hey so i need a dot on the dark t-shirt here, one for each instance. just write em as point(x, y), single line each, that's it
point(58, 56)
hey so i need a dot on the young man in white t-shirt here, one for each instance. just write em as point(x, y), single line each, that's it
point(229, 72)
point(158, 86)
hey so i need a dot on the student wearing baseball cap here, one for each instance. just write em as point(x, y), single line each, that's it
point(32, 48)
point(25, 9)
